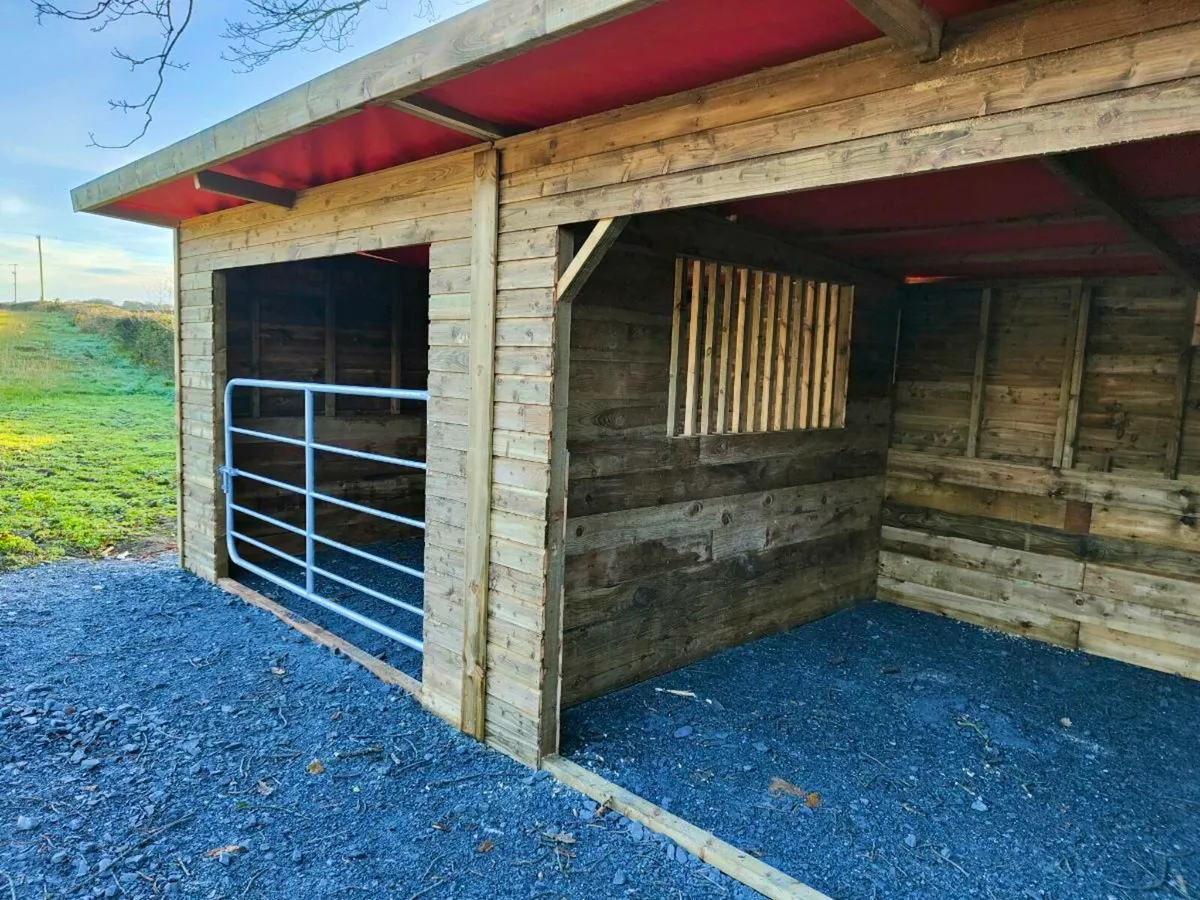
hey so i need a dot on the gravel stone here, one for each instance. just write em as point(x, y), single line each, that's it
point(88, 726)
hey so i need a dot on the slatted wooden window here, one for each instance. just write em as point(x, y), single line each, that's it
point(756, 351)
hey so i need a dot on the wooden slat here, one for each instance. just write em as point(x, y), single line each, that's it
point(981, 350)
point(737, 421)
point(727, 275)
point(795, 342)
point(1183, 380)
point(693, 340)
point(782, 346)
point(330, 325)
point(841, 379)
point(676, 341)
point(603, 236)
point(486, 196)
point(817, 371)
point(710, 335)
point(750, 871)
point(771, 294)
point(1067, 428)
point(830, 341)
point(755, 347)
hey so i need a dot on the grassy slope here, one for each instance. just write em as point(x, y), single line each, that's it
point(87, 450)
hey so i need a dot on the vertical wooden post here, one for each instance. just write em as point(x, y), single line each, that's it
point(1183, 379)
point(180, 531)
point(256, 354)
point(676, 333)
point(1081, 314)
point(330, 348)
point(220, 374)
point(976, 414)
point(396, 357)
point(485, 220)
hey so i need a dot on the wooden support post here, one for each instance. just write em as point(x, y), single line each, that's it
point(256, 354)
point(1073, 380)
point(485, 220)
point(180, 531)
point(397, 360)
point(550, 702)
point(330, 349)
point(1183, 380)
point(910, 23)
point(676, 339)
point(981, 345)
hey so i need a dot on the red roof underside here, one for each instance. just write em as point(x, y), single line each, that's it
point(670, 46)
point(978, 213)
point(676, 45)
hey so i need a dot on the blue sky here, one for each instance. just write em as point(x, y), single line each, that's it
point(58, 79)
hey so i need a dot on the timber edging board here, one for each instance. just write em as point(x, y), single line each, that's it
point(377, 667)
point(754, 873)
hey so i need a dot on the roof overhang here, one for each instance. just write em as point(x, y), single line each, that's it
point(477, 37)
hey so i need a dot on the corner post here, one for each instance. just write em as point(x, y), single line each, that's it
point(485, 221)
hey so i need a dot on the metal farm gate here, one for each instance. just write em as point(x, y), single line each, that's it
point(230, 475)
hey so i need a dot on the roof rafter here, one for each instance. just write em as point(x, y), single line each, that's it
point(243, 189)
point(1093, 182)
point(448, 117)
point(910, 23)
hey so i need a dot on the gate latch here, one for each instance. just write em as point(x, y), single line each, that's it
point(226, 473)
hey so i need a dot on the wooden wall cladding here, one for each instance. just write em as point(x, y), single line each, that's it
point(1099, 553)
point(679, 547)
point(347, 320)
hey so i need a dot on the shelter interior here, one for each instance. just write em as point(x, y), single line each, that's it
point(1019, 441)
point(359, 320)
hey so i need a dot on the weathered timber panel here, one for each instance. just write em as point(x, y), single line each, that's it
point(677, 547)
point(1102, 556)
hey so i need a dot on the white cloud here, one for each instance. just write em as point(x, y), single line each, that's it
point(12, 206)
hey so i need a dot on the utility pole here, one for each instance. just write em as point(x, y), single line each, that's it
point(41, 272)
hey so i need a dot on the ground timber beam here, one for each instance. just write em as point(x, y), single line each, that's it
point(910, 23)
point(589, 256)
point(481, 380)
point(754, 873)
point(1094, 183)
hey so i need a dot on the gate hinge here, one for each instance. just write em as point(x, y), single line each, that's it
point(226, 473)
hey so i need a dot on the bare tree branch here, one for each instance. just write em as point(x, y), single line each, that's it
point(172, 18)
point(271, 27)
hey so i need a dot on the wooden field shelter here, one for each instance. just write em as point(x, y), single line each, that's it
point(730, 315)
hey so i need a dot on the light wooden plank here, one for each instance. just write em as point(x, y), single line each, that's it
point(727, 274)
point(591, 253)
point(739, 352)
point(795, 339)
point(693, 341)
point(752, 872)
point(841, 369)
point(676, 341)
point(782, 344)
point(480, 424)
point(820, 337)
point(1065, 444)
point(710, 334)
point(771, 296)
point(804, 413)
point(755, 338)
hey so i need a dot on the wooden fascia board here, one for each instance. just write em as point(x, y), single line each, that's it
point(910, 23)
point(1094, 183)
point(243, 189)
point(491, 32)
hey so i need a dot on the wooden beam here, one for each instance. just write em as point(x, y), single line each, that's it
point(243, 189)
point(256, 354)
point(1183, 381)
point(752, 872)
point(448, 117)
point(374, 665)
point(1078, 357)
point(1092, 181)
point(488, 33)
point(977, 385)
point(910, 23)
point(481, 377)
point(604, 234)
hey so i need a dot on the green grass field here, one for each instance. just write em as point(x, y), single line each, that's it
point(87, 448)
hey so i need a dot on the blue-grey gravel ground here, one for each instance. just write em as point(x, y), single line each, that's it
point(161, 738)
point(920, 758)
